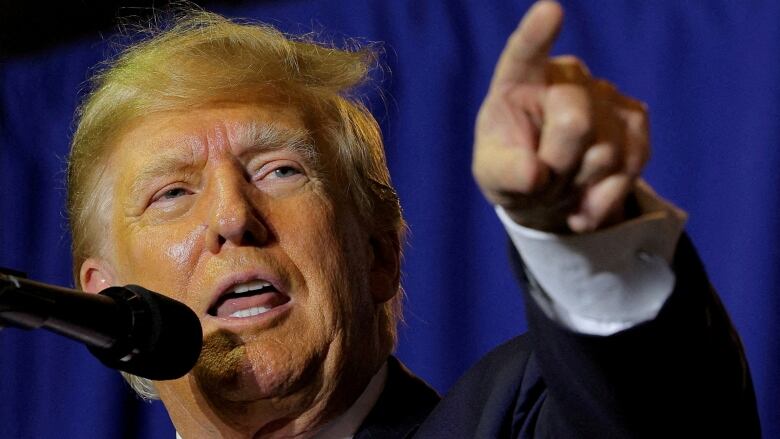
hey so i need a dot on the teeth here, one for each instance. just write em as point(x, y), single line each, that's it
point(251, 286)
point(249, 312)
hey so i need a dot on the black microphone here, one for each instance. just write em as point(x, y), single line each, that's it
point(127, 328)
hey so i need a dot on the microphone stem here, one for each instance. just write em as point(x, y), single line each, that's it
point(23, 305)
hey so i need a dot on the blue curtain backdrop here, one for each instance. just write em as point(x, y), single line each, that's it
point(709, 71)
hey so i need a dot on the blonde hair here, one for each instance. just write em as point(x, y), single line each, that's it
point(202, 57)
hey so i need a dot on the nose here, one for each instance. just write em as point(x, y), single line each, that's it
point(234, 219)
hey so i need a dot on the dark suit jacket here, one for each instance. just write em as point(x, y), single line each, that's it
point(682, 374)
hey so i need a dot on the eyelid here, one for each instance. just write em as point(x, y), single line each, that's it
point(167, 188)
point(272, 165)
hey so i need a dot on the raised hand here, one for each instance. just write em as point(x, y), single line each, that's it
point(557, 149)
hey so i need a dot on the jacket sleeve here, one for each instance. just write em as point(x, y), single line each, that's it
point(682, 374)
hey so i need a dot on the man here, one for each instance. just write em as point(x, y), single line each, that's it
point(229, 169)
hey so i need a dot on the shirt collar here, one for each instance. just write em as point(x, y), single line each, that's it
point(346, 425)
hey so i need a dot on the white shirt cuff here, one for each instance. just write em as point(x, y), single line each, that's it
point(604, 282)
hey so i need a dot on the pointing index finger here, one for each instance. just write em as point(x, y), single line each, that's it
point(525, 55)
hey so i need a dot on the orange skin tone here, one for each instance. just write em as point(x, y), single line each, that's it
point(219, 207)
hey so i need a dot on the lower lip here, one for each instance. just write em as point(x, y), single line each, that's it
point(260, 321)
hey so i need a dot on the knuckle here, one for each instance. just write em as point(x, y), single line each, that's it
point(602, 156)
point(602, 87)
point(638, 106)
point(637, 155)
point(636, 118)
point(567, 69)
point(565, 62)
point(637, 161)
point(573, 122)
point(565, 59)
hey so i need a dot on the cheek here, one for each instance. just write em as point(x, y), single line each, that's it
point(162, 258)
point(184, 251)
point(330, 250)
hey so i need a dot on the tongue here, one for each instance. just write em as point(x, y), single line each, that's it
point(239, 303)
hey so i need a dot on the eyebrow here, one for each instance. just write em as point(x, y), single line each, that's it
point(177, 159)
point(254, 137)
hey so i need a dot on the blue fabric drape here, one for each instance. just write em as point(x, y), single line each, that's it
point(708, 70)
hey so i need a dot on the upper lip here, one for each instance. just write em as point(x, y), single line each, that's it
point(228, 284)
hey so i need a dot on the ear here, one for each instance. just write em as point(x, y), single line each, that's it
point(96, 275)
point(385, 266)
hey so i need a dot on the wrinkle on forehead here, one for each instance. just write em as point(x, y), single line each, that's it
point(182, 157)
point(184, 139)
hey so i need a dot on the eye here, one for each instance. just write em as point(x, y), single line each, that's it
point(279, 170)
point(173, 193)
point(280, 176)
point(285, 172)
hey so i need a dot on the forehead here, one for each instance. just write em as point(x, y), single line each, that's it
point(228, 127)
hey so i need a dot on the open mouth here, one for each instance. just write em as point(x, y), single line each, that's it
point(248, 299)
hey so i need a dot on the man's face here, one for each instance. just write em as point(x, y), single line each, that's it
point(210, 202)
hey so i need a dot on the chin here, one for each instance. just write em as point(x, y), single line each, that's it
point(230, 369)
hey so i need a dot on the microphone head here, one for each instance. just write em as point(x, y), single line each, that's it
point(164, 336)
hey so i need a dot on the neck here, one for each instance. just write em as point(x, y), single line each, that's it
point(299, 416)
